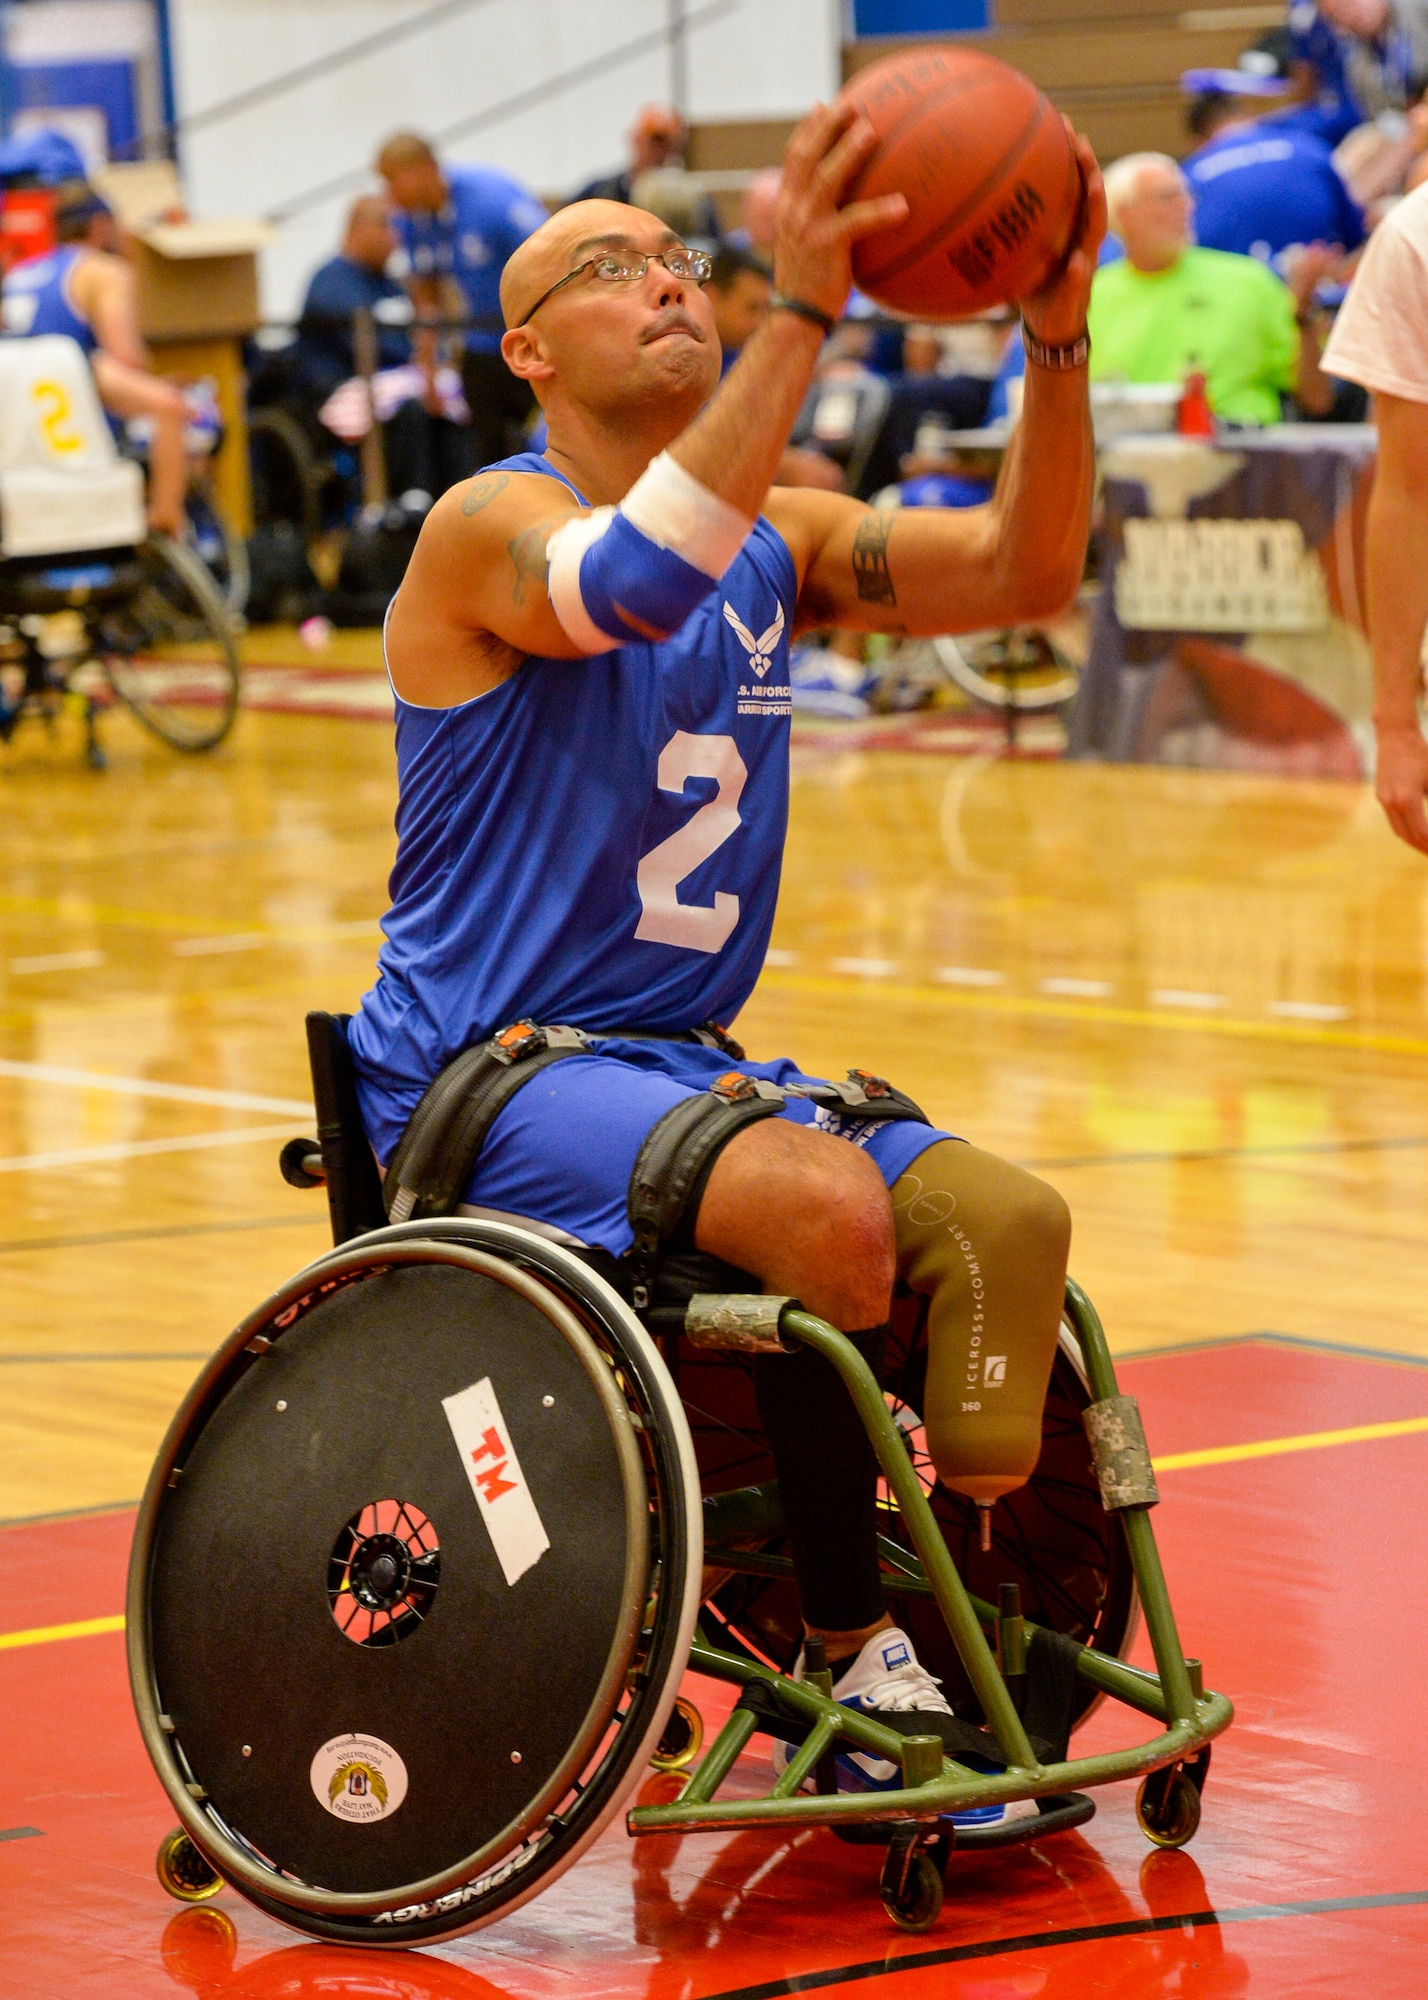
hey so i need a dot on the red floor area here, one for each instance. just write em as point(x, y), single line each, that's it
point(1300, 1578)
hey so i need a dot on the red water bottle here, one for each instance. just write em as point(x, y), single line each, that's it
point(1193, 416)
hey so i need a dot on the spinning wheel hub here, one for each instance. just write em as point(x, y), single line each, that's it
point(383, 1573)
point(380, 1571)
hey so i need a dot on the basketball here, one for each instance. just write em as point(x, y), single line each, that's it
point(990, 179)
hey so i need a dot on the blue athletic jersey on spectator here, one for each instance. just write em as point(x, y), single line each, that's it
point(1262, 190)
point(36, 299)
point(1337, 110)
point(324, 351)
point(486, 217)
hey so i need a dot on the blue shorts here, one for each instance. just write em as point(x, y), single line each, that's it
point(563, 1149)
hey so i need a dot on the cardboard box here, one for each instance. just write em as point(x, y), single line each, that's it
point(199, 278)
point(196, 279)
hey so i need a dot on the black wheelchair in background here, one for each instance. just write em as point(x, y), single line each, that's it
point(437, 1532)
point(94, 612)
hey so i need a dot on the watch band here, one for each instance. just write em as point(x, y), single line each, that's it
point(780, 303)
point(1075, 354)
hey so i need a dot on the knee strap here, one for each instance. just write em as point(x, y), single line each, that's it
point(678, 1151)
point(437, 1153)
point(680, 1148)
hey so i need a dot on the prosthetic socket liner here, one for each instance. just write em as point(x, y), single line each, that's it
point(1119, 1452)
point(656, 556)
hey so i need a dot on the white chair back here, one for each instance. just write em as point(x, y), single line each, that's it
point(63, 486)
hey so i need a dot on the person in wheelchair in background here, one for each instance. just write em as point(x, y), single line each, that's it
point(85, 288)
point(590, 657)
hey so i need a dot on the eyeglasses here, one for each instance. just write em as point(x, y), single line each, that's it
point(627, 267)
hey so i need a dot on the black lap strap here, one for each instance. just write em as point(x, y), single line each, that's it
point(677, 1152)
point(437, 1153)
point(680, 1148)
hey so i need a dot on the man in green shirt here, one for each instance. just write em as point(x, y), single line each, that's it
point(1170, 309)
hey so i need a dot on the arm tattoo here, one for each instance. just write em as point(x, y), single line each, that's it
point(484, 490)
point(528, 558)
point(870, 559)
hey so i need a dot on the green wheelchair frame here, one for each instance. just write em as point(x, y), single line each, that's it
point(1172, 1764)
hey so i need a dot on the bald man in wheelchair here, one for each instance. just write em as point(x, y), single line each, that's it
point(590, 660)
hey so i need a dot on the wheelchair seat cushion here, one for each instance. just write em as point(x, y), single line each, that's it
point(564, 1147)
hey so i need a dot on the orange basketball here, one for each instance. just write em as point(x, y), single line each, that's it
point(990, 179)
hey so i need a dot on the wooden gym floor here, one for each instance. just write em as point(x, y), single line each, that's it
point(1195, 1002)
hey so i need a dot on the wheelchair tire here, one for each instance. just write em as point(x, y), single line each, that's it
point(1022, 669)
point(169, 650)
point(386, 1714)
point(1051, 1537)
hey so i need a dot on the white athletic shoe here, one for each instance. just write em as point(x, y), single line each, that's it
point(886, 1679)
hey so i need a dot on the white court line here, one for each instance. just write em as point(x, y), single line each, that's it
point(200, 947)
point(778, 959)
point(142, 1086)
point(1308, 1010)
point(1179, 996)
point(864, 968)
point(85, 1156)
point(1079, 989)
point(58, 961)
point(967, 975)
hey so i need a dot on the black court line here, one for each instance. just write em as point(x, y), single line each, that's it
point(1303, 1149)
point(69, 1514)
point(1340, 1349)
point(21, 1833)
point(157, 1235)
point(959, 1954)
point(197, 1354)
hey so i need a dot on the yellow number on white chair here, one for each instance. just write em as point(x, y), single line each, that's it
point(57, 418)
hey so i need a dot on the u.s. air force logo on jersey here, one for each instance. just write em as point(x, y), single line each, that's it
point(763, 698)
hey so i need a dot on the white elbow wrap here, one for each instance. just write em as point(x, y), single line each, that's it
point(637, 571)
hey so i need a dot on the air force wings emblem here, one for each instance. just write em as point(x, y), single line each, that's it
point(760, 650)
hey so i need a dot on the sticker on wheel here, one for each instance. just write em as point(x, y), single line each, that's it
point(358, 1778)
point(517, 1532)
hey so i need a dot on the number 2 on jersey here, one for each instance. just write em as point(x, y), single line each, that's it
point(664, 919)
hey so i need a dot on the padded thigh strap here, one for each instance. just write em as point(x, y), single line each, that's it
point(671, 1164)
point(437, 1153)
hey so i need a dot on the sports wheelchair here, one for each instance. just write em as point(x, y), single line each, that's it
point(435, 1535)
point(94, 610)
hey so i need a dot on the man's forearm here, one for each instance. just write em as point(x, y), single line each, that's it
point(1397, 563)
point(1042, 506)
point(734, 445)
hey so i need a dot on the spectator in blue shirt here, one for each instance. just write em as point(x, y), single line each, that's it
point(1262, 189)
point(355, 278)
point(1354, 59)
point(459, 225)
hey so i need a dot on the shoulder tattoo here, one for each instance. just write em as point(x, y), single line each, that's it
point(870, 558)
point(483, 491)
point(528, 557)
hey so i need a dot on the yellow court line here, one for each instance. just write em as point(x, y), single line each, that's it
point(1027, 1008)
point(41, 1635)
point(1230, 1454)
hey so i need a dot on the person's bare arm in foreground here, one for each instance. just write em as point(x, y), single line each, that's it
point(1397, 561)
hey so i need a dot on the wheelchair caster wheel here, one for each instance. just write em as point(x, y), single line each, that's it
point(682, 1739)
point(911, 1886)
point(1168, 1807)
point(183, 1870)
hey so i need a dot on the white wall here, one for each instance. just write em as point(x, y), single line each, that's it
point(761, 59)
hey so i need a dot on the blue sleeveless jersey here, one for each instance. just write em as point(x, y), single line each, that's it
point(35, 299)
point(594, 841)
